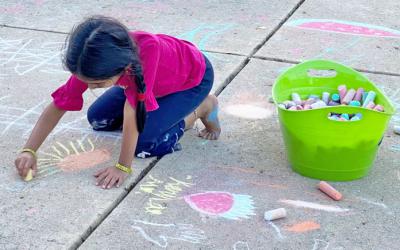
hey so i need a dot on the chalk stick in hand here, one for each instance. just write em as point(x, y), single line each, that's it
point(28, 176)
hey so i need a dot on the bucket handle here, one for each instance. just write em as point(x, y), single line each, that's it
point(302, 70)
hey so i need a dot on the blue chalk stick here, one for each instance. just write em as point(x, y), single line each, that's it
point(345, 116)
point(335, 97)
point(355, 103)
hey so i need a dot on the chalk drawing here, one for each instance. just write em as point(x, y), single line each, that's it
point(276, 228)
point(240, 169)
point(373, 203)
point(316, 206)
point(25, 114)
point(203, 34)
point(16, 118)
point(303, 226)
point(22, 57)
point(176, 231)
point(241, 245)
point(248, 111)
point(73, 157)
point(345, 27)
point(158, 196)
point(340, 48)
point(393, 94)
point(395, 148)
point(320, 245)
point(222, 204)
point(15, 9)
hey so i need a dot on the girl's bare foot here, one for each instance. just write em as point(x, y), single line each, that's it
point(208, 114)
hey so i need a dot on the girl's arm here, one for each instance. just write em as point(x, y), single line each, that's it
point(108, 177)
point(130, 136)
point(47, 121)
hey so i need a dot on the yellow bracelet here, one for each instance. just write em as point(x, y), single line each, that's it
point(30, 151)
point(123, 168)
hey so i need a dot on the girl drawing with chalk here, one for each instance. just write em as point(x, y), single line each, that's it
point(159, 86)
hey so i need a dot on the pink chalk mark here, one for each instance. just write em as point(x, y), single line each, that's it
point(212, 203)
point(16, 9)
point(347, 28)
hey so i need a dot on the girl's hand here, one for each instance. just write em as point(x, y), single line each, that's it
point(24, 162)
point(110, 176)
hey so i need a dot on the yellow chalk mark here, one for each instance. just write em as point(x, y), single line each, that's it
point(91, 144)
point(50, 173)
point(81, 145)
point(57, 151)
point(73, 147)
point(64, 147)
point(52, 155)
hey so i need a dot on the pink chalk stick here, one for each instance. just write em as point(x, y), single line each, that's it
point(349, 96)
point(359, 94)
point(311, 101)
point(370, 105)
point(299, 107)
point(307, 106)
point(330, 191)
point(292, 108)
point(379, 108)
point(342, 91)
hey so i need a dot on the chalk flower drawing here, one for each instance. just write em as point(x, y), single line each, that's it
point(74, 157)
point(345, 27)
point(177, 232)
point(222, 204)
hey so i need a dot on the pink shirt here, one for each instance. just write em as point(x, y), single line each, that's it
point(169, 65)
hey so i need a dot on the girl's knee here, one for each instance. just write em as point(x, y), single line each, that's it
point(102, 123)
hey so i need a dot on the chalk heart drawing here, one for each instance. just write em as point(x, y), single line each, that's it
point(162, 234)
point(73, 157)
point(345, 27)
point(222, 204)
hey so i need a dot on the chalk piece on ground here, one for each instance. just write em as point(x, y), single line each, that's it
point(275, 214)
point(28, 176)
point(397, 130)
point(329, 190)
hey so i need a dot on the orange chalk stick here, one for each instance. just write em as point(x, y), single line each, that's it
point(329, 190)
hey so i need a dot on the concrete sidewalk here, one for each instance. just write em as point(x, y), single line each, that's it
point(167, 203)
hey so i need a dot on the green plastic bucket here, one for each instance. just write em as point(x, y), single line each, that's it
point(326, 149)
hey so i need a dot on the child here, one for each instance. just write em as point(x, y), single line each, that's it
point(159, 87)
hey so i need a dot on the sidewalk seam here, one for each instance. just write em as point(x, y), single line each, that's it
point(94, 225)
point(243, 64)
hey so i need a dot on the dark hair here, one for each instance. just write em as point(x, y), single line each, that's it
point(99, 48)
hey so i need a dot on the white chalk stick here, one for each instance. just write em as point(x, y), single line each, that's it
point(397, 130)
point(275, 214)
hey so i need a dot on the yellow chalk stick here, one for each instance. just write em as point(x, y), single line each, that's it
point(28, 176)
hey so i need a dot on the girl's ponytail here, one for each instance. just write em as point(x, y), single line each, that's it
point(141, 113)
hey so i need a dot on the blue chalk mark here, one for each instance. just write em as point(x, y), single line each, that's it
point(212, 31)
point(339, 49)
point(395, 148)
point(213, 116)
point(243, 207)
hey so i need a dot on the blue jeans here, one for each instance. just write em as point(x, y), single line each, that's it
point(164, 126)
